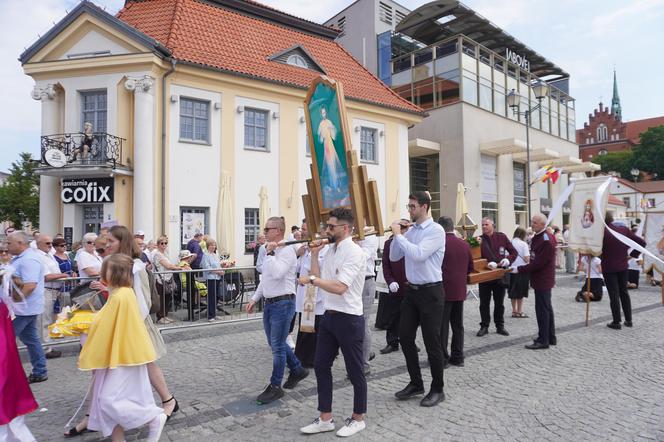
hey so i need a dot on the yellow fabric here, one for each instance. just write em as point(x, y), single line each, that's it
point(75, 324)
point(117, 337)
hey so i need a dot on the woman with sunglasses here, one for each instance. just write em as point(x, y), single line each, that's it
point(5, 257)
point(87, 259)
point(161, 264)
point(66, 266)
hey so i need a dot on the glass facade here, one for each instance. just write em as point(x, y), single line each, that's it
point(459, 69)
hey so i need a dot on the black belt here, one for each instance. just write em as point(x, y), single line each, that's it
point(423, 286)
point(279, 298)
point(366, 278)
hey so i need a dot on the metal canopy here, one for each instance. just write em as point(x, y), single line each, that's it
point(441, 19)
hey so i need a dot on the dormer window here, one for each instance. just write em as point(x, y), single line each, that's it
point(297, 56)
point(297, 60)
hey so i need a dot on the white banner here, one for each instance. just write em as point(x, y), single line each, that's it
point(654, 236)
point(587, 215)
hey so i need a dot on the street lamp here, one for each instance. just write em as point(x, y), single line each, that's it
point(635, 173)
point(540, 90)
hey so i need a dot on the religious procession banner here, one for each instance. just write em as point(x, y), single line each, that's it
point(587, 216)
point(654, 237)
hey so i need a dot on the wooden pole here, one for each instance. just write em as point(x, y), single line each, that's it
point(661, 284)
point(587, 294)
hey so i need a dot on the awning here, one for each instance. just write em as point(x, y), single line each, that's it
point(586, 166)
point(563, 161)
point(540, 154)
point(502, 147)
point(418, 147)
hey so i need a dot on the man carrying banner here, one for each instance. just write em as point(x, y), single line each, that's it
point(614, 270)
point(542, 269)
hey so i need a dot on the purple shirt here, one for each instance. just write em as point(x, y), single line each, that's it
point(614, 252)
point(194, 246)
point(394, 271)
point(542, 265)
point(457, 264)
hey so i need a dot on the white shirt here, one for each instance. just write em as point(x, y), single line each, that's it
point(595, 264)
point(423, 246)
point(278, 277)
point(51, 267)
point(633, 265)
point(344, 262)
point(523, 251)
point(85, 260)
point(262, 251)
point(304, 268)
point(370, 248)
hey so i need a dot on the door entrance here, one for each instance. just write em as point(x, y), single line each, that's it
point(93, 216)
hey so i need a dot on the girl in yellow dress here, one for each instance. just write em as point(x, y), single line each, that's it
point(117, 350)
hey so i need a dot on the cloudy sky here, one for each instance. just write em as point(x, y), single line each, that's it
point(587, 38)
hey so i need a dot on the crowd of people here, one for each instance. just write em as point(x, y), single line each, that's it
point(330, 282)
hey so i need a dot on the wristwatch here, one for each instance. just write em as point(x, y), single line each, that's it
point(312, 278)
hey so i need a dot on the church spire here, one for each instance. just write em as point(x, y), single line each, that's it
point(615, 101)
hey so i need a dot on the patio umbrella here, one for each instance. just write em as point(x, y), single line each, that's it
point(225, 215)
point(461, 205)
point(263, 207)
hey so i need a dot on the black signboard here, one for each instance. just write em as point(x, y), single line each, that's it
point(69, 236)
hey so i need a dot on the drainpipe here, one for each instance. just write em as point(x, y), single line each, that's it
point(163, 145)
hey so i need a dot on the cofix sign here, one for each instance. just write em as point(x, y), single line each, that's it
point(93, 190)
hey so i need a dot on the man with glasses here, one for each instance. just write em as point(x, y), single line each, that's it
point(51, 290)
point(276, 288)
point(340, 281)
point(423, 247)
point(30, 274)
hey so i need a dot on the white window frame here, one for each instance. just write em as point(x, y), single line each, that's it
point(363, 130)
point(268, 115)
point(182, 139)
point(251, 229)
point(602, 132)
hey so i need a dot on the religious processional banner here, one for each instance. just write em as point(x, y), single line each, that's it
point(654, 237)
point(587, 216)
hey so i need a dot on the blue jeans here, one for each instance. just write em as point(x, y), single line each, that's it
point(276, 321)
point(25, 328)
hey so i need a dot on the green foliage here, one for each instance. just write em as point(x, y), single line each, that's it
point(621, 162)
point(649, 155)
point(19, 194)
point(473, 241)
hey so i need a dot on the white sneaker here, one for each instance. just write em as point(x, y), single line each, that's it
point(351, 427)
point(156, 426)
point(290, 342)
point(318, 426)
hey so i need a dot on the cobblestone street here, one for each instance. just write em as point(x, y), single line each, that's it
point(596, 384)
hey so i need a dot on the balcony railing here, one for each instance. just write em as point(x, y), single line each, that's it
point(99, 149)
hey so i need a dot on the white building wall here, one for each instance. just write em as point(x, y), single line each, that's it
point(375, 170)
point(92, 42)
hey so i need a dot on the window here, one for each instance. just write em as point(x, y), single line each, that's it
point(251, 225)
point(651, 203)
point(297, 60)
point(385, 13)
point(307, 148)
point(341, 24)
point(368, 145)
point(194, 120)
point(603, 152)
point(626, 201)
point(93, 107)
point(255, 129)
point(602, 133)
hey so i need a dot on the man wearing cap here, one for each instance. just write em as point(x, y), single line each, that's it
point(277, 287)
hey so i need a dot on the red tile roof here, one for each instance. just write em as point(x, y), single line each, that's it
point(644, 186)
point(616, 201)
point(222, 38)
point(637, 127)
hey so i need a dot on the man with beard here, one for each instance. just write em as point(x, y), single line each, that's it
point(340, 281)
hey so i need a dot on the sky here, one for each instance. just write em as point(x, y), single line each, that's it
point(588, 39)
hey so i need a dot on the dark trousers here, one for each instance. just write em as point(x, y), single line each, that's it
point(633, 276)
point(423, 307)
point(212, 288)
point(452, 316)
point(497, 291)
point(305, 345)
point(545, 319)
point(392, 315)
point(616, 285)
point(345, 332)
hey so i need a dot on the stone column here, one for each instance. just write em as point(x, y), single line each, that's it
point(144, 205)
point(49, 186)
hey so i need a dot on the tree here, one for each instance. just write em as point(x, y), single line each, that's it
point(621, 162)
point(649, 154)
point(19, 194)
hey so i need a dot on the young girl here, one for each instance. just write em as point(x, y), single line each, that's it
point(593, 265)
point(117, 350)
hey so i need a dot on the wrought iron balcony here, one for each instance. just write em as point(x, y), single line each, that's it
point(78, 150)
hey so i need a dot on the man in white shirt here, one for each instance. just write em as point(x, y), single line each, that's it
point(51, 290)
point(370, 248)
point(276, 287)
point(340, 282)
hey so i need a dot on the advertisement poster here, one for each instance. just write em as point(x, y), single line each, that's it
point(587, 215)
point(192, 223)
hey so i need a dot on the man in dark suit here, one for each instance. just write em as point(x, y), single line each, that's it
point(614, 270)
point(542, 269)
point(499, 252)
point(394, 273)
point(457, 264)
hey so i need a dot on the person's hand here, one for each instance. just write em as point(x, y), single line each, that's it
point(269, 247)
point(505, 263)
point(316, 246)
point(514, 269)
point(97, 285)
point(492, 265)
point(394, 287)
point(303, 280)
point(396, 227)
point(250, 307)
